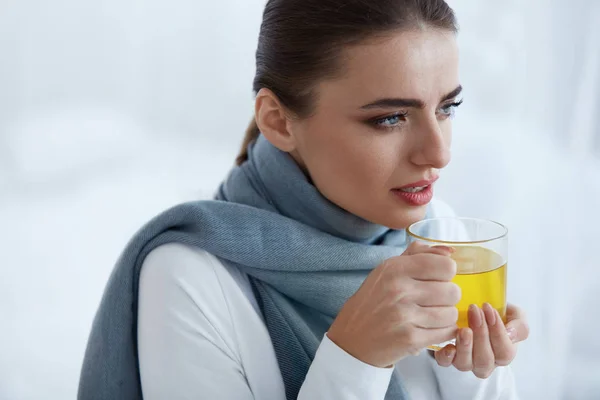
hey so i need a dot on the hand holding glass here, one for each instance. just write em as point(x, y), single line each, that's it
point(480, 251)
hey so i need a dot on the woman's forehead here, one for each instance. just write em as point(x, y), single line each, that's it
point(420, 64)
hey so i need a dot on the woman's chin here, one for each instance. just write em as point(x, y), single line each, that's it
point(402, 219)
point(393, 217)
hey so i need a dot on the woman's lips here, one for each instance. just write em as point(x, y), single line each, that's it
point(419, 198)
point(418, 193)
point(421, 183)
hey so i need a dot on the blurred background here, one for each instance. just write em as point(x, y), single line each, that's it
point(112, 110)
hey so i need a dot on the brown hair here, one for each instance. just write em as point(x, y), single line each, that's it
point(301, 40)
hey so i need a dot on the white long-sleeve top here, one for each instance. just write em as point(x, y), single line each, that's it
point(201, 335)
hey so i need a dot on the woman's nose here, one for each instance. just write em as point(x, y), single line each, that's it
point(432, 146)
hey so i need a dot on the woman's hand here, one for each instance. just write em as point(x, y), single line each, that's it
point(487, 343)
point(404, 305)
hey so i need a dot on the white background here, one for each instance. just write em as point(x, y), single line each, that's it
point(113, 110)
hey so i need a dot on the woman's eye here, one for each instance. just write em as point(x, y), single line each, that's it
point(390, 121)
point(449, 109)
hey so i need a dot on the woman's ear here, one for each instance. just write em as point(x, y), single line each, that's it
point(272, 121)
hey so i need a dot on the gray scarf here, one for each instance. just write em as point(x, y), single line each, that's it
point(304, 255)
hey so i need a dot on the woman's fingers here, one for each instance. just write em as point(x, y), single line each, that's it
point(504, 350)
point(418, 247)
point(463, 360)
point(516, 326)
point(483, 355)
point(486, 343)
point(446, 293)
point(445, 356)
point(436, 317)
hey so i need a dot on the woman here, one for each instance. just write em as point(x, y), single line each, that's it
point(296, 282)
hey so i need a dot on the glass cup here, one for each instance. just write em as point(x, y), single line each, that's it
point(481, 254)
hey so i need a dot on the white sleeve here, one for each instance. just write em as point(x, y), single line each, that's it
point(182, 351)
point(187, 350)
point(457, 385)
point(336, 375)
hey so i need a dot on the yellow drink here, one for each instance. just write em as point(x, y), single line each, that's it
point(481, 252)
point(482, 278)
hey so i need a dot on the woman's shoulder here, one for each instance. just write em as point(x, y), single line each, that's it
point(193, 317)
point(176, 262)
point(183, 288)
point(183, 254)
point(188, 278)
point(205, 279)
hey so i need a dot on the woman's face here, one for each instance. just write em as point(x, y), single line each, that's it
point(381, 133)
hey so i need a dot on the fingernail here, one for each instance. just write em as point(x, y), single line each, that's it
point(476, 316)
point(449, 353)
point(451, 250)
point(465, 340)
point(512, 334)
point(490, 314)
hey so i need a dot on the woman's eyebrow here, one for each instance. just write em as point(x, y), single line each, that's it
point(410, 103)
